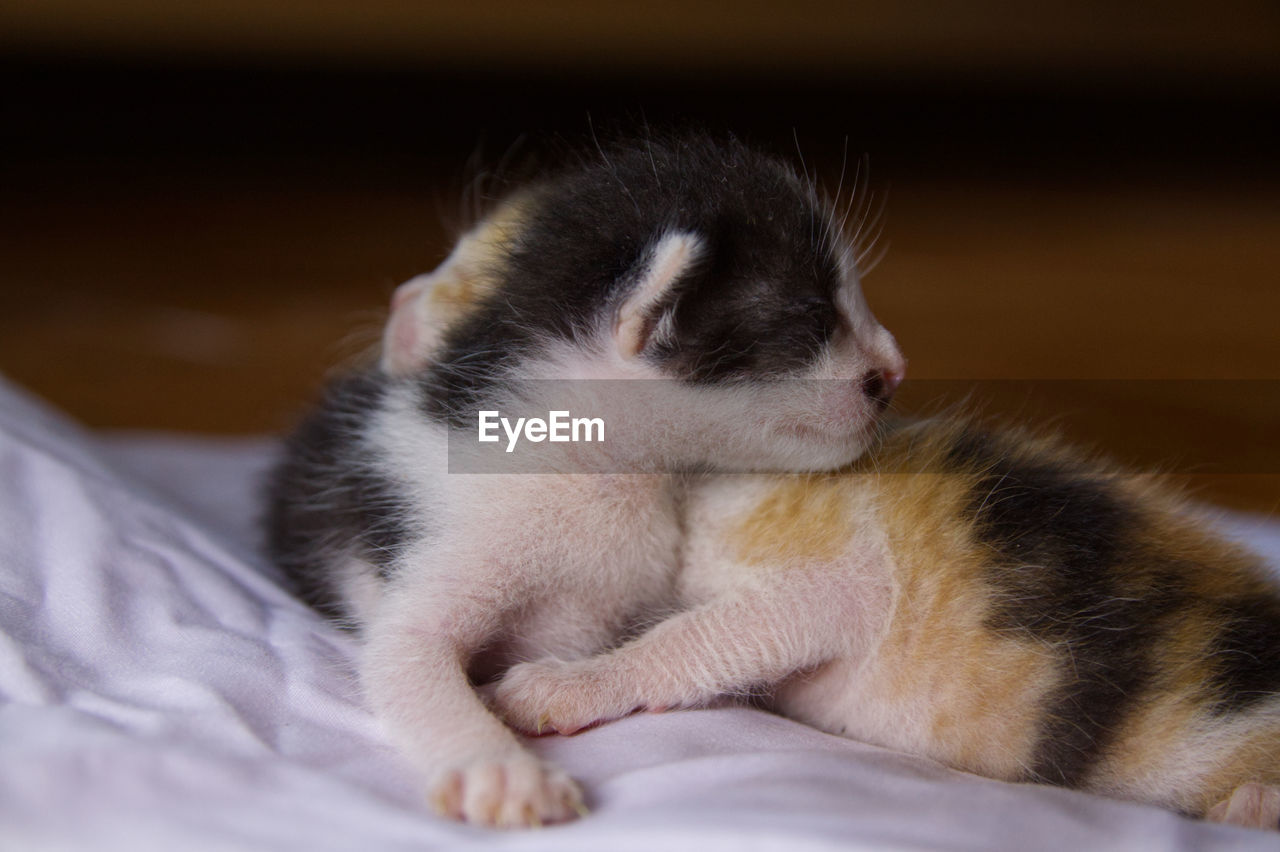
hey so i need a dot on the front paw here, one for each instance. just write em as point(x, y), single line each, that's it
point(560, 697)
point(1253, 805)
point(520, 792)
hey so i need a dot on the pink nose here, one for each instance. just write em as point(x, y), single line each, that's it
point(880, 385)
point(893, 378)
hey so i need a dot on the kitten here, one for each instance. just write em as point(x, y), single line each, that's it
point(984, 598)
point(695, 297)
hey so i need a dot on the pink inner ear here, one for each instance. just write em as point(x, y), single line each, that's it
point(401, 341)
point(668, 260)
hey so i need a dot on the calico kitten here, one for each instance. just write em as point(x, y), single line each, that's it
point(984, 598)
point(696, 297)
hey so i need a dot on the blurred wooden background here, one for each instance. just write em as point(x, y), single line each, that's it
point(204, 206)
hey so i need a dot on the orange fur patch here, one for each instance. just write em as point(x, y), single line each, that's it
point(476, 271)
point(804, 518)
point(460, 292)
point(980, 693)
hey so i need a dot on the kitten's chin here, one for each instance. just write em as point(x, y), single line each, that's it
point(833, 459)
point(804, 448)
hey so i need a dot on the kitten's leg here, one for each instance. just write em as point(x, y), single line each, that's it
point(414, 672)
point(752, 636)
point(1253, 805)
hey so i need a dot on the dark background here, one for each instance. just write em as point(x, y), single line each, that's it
point(204, 206)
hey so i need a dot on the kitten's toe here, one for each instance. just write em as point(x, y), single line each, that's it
point(520, 792)
point(1253, 805)
point(562, 698)
point(536, 795)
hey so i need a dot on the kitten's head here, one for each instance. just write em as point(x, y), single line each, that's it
point(709, 268)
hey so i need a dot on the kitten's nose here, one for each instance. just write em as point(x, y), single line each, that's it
point(879, 385)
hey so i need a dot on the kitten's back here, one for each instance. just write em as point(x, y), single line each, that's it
point(1054, 621)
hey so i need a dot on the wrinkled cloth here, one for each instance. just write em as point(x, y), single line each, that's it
point(162, 690)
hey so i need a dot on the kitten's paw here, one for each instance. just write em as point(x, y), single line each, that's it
point(521, 792)
point(556, 697)
point(1253, 805)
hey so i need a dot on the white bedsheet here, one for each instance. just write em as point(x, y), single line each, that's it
point(161, 691)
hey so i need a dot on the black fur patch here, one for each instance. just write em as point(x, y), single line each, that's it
point(325, 494)
point(1246, 653)
point(1075, 568)
point(1065, 574)
point(759, 304)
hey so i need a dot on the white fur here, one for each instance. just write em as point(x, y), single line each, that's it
point(742, 625)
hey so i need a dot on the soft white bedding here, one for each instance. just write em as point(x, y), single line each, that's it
point(162, 691)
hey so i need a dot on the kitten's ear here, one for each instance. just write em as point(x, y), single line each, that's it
point(422, 310)
point(638, 322)
point(404, 346)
